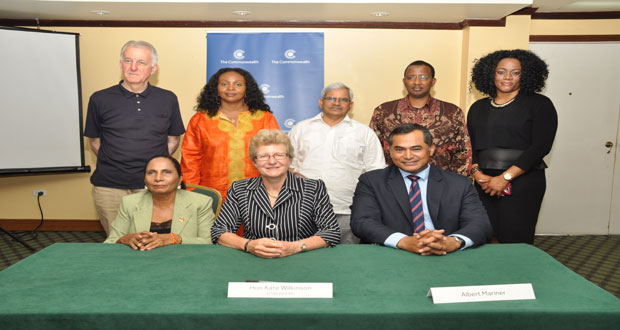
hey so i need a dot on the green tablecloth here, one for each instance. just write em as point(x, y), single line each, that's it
point(88, 286)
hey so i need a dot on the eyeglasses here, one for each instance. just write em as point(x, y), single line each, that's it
point(422, 77)
point(334, 99)
point(276, 156)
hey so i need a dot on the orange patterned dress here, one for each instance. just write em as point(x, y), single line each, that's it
point(215, 152)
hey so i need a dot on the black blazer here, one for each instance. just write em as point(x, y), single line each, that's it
point(381, 206)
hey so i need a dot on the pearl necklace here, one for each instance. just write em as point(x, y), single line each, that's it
point(503, 104)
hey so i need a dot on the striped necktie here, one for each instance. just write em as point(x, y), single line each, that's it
point(415, 199)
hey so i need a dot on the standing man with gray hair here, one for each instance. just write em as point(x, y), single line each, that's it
point(336, 149)
point(127, 124)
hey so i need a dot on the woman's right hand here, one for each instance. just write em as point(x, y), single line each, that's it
point(267, 248)
point(133, 240)
point(482, 179)
point(496, 186)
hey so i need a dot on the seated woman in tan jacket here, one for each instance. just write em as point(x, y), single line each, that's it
point(163, 214)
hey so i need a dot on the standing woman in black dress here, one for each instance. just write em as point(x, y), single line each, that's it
point(511, 131)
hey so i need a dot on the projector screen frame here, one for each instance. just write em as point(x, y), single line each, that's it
point(80, 125)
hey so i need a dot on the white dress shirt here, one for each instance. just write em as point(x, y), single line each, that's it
point(337, 155)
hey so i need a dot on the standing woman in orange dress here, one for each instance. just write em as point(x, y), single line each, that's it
point(231, 110)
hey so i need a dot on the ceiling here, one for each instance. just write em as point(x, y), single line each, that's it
point(437, 11)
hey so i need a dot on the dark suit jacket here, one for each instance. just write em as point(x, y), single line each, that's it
point(381, 206)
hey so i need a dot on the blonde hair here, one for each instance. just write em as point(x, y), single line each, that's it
point(266, 137)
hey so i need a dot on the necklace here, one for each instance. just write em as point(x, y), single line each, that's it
point(503, 104)
point(270, 195)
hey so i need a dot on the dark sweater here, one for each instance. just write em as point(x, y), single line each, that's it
point(529, 124)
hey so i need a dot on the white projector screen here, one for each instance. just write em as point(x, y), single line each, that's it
point(40, 102)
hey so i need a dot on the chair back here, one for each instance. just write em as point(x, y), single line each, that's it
point(211, 192)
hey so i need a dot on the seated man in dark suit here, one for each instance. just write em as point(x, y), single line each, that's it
point(415, 206)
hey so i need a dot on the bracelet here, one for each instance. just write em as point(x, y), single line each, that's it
point(475, 169)
point(245, 247)
point(174, 238)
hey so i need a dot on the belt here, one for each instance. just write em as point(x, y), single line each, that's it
point(502, 159)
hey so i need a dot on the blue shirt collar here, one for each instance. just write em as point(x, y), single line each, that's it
point(423, 175)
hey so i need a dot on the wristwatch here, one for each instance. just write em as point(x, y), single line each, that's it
point(461, 241)
point(507, 176)
point(303, 247)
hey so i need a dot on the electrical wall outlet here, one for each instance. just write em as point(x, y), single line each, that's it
point(37, 191)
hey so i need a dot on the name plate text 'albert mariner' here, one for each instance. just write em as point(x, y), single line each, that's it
point(459, 294)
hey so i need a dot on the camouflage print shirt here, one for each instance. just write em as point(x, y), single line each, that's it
point(445, 121)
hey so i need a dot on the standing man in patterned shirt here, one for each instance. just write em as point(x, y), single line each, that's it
point(444, 120)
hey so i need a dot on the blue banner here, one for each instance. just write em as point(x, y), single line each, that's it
point(287, 66)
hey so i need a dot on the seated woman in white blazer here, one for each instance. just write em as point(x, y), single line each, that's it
point(163, 214)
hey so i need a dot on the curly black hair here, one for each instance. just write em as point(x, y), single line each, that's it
point(534, 71)
point(208, 100)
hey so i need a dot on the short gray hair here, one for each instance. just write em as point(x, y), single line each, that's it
point(140, 44)
point(336, 85)
point(266, 137)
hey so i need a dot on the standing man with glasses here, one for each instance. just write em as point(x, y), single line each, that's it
point(127, 124)
point(336, 149)
point(445, 121)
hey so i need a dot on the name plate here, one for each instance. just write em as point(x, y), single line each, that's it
point(460, 294)
point(279, 290)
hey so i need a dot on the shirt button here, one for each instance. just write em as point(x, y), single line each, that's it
point(137, 95)
point(138, 102)
point(139, 109)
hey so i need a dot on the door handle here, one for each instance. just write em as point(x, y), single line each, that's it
point(609, 145)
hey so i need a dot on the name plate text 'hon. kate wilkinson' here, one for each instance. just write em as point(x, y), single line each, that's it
point(279, 290)
point(459, 294)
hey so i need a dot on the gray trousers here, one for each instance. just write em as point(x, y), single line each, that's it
point(344, 221)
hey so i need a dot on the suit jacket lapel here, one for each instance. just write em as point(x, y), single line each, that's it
point(144, 213)
point(434, 191)
point(397, 187)
point(181, 213)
